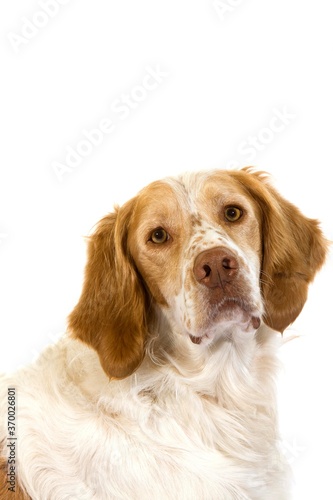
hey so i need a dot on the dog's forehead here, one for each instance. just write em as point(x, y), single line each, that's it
point(199, 186)
point(191, 191)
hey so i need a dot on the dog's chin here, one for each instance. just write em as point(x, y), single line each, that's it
point(230, 317)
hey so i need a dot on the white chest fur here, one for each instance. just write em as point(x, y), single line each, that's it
point(156, 434)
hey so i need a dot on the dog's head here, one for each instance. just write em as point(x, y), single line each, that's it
point(212, 251)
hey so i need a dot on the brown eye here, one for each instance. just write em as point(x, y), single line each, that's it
point(232, 214)
point(159, 236)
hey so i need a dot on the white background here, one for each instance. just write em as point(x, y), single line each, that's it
point(228, 74)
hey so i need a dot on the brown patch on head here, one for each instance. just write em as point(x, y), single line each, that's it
point(158, 206)
point(222, 190)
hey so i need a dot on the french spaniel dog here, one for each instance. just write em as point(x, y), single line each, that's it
point(164, 386)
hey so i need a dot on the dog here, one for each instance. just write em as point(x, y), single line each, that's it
point(164, 385)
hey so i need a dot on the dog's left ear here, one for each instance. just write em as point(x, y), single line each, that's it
point(111, 313)
point(293, 250)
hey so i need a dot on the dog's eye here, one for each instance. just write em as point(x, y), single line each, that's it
point(159, 235)
point(232, 214)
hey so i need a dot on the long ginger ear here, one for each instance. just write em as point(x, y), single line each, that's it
point(111, 313)
point(293, 247)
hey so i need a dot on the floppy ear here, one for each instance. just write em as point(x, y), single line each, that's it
point(293, 250)
point(111, 313)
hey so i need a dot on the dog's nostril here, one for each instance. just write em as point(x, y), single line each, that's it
point(229, 263)
point(226, 263)
point(207, 270)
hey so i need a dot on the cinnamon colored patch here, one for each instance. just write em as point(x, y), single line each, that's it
point(5, 493)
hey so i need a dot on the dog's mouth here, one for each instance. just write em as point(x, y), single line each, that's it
point(231, 311)
point(197, 340)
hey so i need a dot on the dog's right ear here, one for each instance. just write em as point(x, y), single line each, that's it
point(111, 313)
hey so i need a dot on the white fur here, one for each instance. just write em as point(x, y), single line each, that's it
point(167, 430)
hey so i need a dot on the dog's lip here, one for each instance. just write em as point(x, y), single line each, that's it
point(254, 316)
point(256, 322)
point(247, 307)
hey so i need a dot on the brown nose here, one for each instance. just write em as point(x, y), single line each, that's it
point(215, 267)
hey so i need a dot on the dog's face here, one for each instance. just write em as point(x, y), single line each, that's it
point(213, 252)
point(196, 242)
